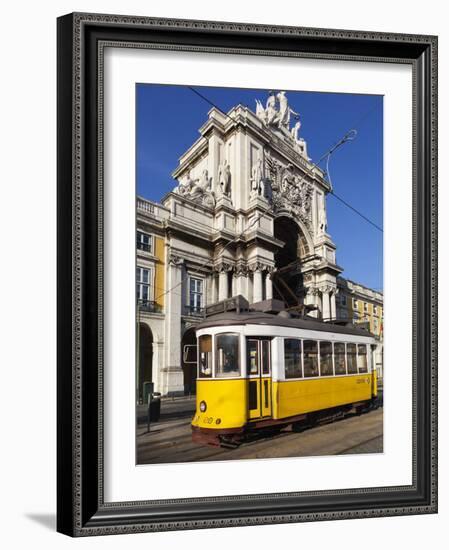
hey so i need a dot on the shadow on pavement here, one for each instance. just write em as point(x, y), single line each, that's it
point(175, 415)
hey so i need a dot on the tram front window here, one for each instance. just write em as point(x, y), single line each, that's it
point(227, 362)
point(205, 357)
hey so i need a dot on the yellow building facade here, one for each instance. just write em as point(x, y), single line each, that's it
point(359, 304)
point(151, 276)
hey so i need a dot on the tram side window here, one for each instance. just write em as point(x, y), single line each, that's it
point(227, 362)
point(351, 351)
point(292, 358)
point(310, 350)
point(326, 366)
point(205, 357)
point(362, 358)
point(340, 358)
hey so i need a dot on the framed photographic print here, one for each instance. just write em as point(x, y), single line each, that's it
point(246, 274)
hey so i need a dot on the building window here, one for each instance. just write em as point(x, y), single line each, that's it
point(196, 294)
point(376, 326)
point(143, 284)
point(375, 310)
point(292, 358)
point(144, 242)
point(365, 307)
point(343, 301)
point(355, 303)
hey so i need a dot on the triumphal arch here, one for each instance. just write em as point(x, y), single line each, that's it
point(247, 216)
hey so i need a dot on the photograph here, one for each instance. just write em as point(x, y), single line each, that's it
point(259, 273)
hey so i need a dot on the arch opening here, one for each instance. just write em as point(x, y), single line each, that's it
point(288, 281)
point(145, 366)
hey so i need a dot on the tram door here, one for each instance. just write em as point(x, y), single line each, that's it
point(259, 377)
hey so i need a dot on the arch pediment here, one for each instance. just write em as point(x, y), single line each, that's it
point(303, 228)
point(291, 193)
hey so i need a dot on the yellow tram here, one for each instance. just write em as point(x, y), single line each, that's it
point(263, 371)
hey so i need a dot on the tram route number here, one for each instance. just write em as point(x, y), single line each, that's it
point(363, 381)
point(206, 419)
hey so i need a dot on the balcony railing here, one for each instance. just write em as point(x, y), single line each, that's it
point(194, 311)
point(146, 206)
point(156, 210)
point(149, 306)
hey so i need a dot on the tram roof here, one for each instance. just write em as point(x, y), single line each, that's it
point(258, 318)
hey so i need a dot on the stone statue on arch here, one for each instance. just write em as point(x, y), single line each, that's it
point(224, 178)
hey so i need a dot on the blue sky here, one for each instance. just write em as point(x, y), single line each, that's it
point(168, 118)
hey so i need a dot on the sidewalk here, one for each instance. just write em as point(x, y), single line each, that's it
point(171, 408)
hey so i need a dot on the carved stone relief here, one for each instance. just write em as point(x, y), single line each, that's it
point(199, 189)
point(289, 192)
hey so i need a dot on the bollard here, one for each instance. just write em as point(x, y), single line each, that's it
point(149, 412)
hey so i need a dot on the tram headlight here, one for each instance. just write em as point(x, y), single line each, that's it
point(203, 406)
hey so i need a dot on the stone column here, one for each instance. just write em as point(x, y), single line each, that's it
point(234, 284)
point(312, 298)
point(326, 304)
point(268, 286)
point(223, 286)
point(212, 287)
point(309, 298)
point(158, 350)
point(173, 383)
point(241, 286)
point(257, 284)
point(333, 306)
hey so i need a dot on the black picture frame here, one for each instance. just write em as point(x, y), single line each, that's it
point(81, 509)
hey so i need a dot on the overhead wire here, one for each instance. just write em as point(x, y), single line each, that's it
point(349, 137)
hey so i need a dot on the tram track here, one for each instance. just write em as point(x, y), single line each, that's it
point(352, 434)
point(365, 443)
